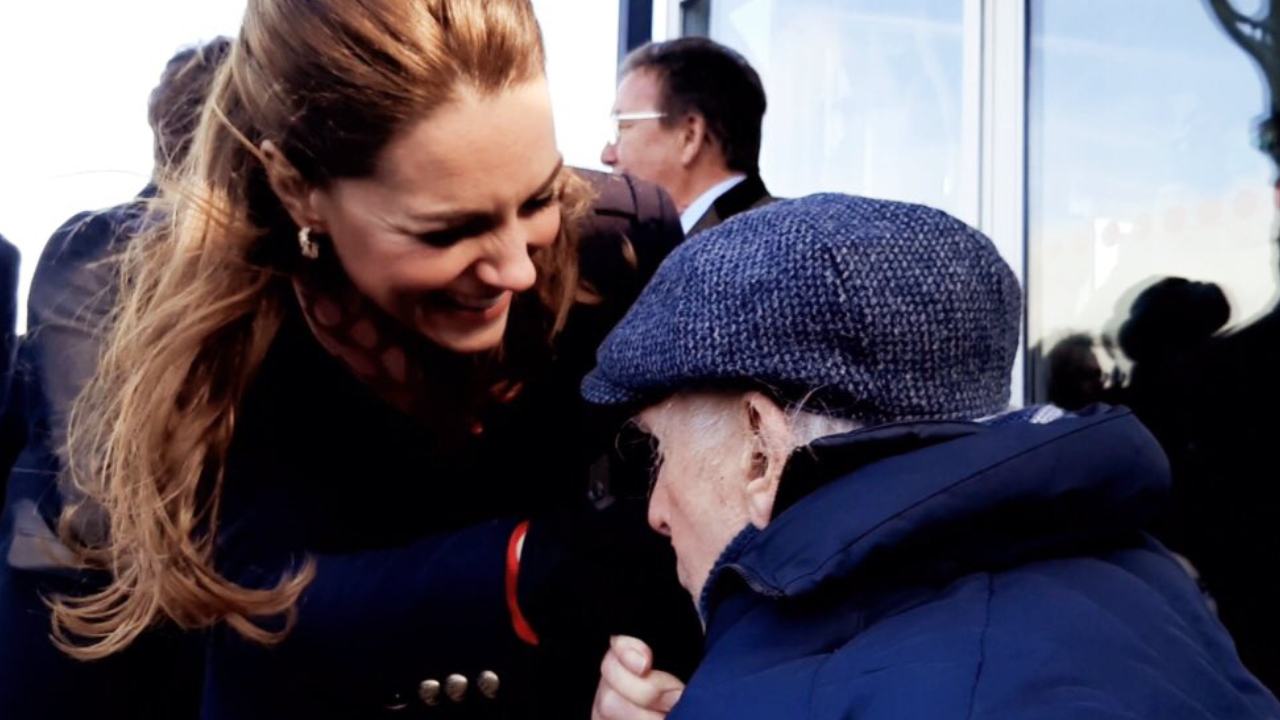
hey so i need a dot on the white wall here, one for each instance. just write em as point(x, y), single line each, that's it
point(581, 37)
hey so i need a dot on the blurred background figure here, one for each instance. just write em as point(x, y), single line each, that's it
point(1076, 379)
point(1208, 393)
point(73, 291)
point(10, 259)
point(1171, 318)
point(688, 117)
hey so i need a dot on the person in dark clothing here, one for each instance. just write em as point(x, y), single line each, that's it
point(10, 259)
point(71, 296)
point(73, 289)
point(346, 355)
point(10, 432)
point(1206, 391)
point(866, 529)
point(688, 117)
point(1075, 378)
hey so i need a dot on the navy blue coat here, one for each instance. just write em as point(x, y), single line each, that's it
point(952, 570)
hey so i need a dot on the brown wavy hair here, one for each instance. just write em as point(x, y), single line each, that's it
point(204, 289)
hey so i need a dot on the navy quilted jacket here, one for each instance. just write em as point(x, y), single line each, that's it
point(957, 570)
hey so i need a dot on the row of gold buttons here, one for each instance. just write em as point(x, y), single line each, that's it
point(455, 688)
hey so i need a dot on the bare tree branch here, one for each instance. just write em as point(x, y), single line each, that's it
point(1257, 37)
point(1234, 23)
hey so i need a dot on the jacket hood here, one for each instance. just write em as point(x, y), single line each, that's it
point(940, 498)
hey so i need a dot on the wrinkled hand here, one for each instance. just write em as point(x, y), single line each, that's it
point(630, 689)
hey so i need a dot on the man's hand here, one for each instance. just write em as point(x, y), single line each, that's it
point(630, 689)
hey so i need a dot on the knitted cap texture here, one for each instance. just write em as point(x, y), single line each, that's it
point(879, 310)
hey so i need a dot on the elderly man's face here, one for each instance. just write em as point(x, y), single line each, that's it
point(703, 489)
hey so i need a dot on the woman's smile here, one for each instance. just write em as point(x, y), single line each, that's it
point(477, 308)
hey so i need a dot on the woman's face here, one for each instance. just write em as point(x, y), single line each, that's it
point(440, 235)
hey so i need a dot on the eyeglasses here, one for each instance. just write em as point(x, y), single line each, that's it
point(632, 467)
point(617, 120)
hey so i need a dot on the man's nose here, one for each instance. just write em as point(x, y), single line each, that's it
point(657, 515)
point(609, 155)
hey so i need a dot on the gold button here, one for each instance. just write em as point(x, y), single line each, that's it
point(455, 687)
point(487, 683)
point(429, 692)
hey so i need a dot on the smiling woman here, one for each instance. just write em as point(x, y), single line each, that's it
point(59, 161)
point(440, 235)
point(335, 426)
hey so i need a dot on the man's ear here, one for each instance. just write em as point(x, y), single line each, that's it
point(290, 187)
point(770, 446)
point(693, 136)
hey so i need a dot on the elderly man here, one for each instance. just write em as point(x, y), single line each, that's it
point(865, 530)
point(688, 117)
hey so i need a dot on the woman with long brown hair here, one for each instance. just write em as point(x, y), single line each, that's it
point(334, 428)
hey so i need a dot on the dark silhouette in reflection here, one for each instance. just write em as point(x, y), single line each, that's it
point(1211, 395)
point(1211, 400)
point(1171, 317)
point(1075, 377)
point(1168, 325)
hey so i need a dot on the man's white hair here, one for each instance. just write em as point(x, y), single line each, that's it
point(707, 422)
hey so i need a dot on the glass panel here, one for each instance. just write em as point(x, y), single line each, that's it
point(1153, 270)
point(865, 96)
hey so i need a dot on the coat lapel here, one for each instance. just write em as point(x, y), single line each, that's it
point(746, 195)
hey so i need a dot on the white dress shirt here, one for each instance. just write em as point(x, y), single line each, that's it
point(703, 203)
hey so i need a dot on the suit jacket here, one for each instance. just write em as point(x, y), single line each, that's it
point(746, 195)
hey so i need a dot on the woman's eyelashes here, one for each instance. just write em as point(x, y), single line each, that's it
point(448, 236)
point(541, 202)
point(445, 237)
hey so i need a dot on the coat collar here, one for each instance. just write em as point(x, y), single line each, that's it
point(941, 497)
point(747, 194)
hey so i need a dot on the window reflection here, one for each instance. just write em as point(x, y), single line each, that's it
point(1154, 271)
point(865, 96)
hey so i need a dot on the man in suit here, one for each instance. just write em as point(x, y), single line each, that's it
point(687, 117)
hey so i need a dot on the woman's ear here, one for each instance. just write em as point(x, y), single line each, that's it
point(769, 447)
point(290, 187)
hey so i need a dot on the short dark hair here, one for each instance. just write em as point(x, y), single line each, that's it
point(175, 105)
point(703, 76)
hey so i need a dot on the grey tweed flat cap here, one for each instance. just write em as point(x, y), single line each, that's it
point(878, 310)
